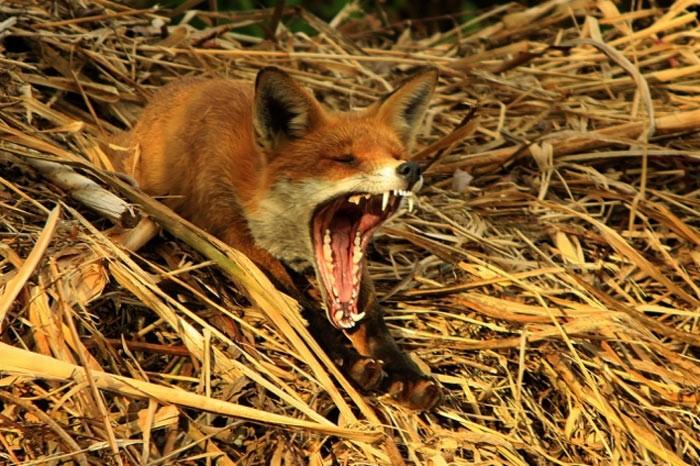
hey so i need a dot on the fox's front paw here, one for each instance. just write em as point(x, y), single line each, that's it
point(422, 393)
point(367, 373)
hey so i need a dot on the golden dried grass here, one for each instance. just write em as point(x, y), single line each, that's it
point(550, 278)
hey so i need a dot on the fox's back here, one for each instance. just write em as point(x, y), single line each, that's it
point(193, 145)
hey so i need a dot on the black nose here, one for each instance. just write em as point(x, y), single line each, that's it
point(410, 171)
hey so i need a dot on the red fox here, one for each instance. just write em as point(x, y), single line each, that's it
point(272, 173)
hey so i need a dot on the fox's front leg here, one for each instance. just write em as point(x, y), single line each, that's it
point(371, 337)
point(365, 371)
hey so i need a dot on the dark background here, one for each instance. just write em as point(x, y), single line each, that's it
point(432, 15)
point(428, 16)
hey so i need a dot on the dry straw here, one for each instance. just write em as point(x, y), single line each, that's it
point(550, 277)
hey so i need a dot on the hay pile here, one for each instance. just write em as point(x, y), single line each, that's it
point(550, 277)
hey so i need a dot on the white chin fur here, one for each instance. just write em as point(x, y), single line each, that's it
point(280, 223)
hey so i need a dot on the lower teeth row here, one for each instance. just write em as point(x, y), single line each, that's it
point(353, 317)
point(356, 259)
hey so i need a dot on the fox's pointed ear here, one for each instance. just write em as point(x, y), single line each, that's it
point(403, 108)
point(282, 108)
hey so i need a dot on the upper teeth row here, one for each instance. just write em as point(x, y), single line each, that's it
point(386, 195)
point(358, 197)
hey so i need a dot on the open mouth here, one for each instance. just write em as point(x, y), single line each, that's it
point(341, 230)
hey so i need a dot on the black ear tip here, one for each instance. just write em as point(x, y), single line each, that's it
point(432, 71)
point(423, 73)
point(268, 71)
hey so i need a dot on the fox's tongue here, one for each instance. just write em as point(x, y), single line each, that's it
point(339, 263)
point(345, 265)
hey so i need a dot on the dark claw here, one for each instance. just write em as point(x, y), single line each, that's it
point(367, 373)
point(423, 394)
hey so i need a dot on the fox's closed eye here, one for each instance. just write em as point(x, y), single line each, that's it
point(347, 159)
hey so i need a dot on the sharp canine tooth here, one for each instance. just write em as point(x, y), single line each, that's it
point(410, 203)
point(419, 184)
point(355, 199)
point(358, 317)
point(339, 316)
point(385, 199)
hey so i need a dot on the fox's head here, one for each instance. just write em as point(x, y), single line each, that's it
point(332, 178)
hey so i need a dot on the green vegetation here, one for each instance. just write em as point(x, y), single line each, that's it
point(435, 15)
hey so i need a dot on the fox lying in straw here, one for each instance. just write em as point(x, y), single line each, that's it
point(273, 174)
